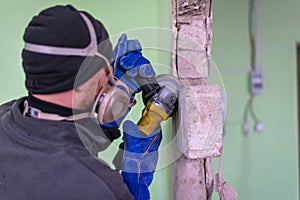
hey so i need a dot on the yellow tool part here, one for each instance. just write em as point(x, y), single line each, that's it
point(151, 118)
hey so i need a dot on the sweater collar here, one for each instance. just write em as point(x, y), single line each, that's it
point(48, 107)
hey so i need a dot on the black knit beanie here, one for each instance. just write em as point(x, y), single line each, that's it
point(62, 26)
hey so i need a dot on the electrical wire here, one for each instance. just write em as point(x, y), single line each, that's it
point(253, 26)
point(247, 108)
point(254, 33)
point(252, 112)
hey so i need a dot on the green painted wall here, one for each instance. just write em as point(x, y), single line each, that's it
point(263, 165)
point(118, 17)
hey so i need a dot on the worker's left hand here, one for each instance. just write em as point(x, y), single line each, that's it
point(139, 159)
point(129, 63)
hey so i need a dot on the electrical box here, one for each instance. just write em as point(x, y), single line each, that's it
point(256, 82)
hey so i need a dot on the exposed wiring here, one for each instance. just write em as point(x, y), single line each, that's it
point(255, 74)
point(254, 116)
point(246, 124)
point(249, 110)
point(254, 33)
point(256, 88)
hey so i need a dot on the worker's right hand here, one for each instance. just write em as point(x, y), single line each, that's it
point(129, 64)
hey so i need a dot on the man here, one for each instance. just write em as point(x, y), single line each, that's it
point(43, 137)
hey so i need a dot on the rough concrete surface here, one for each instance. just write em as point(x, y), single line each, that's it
point(191, 186)
point(200, 121)
point(193, 64)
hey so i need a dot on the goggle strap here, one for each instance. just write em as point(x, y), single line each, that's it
point(90, 50)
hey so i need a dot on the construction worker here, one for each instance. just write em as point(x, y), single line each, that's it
point(49, 139)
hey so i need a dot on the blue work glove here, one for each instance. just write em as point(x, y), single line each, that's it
point(129, 64)
point(139, 159)
point(127, 61)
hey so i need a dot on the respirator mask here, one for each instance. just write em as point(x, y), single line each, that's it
point(113, 100)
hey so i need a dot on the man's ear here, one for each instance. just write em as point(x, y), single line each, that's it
point(85, 94)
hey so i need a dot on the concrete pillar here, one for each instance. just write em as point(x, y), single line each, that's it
point(199, 120)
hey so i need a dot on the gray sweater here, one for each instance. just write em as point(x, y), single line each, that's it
point(46, 160)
